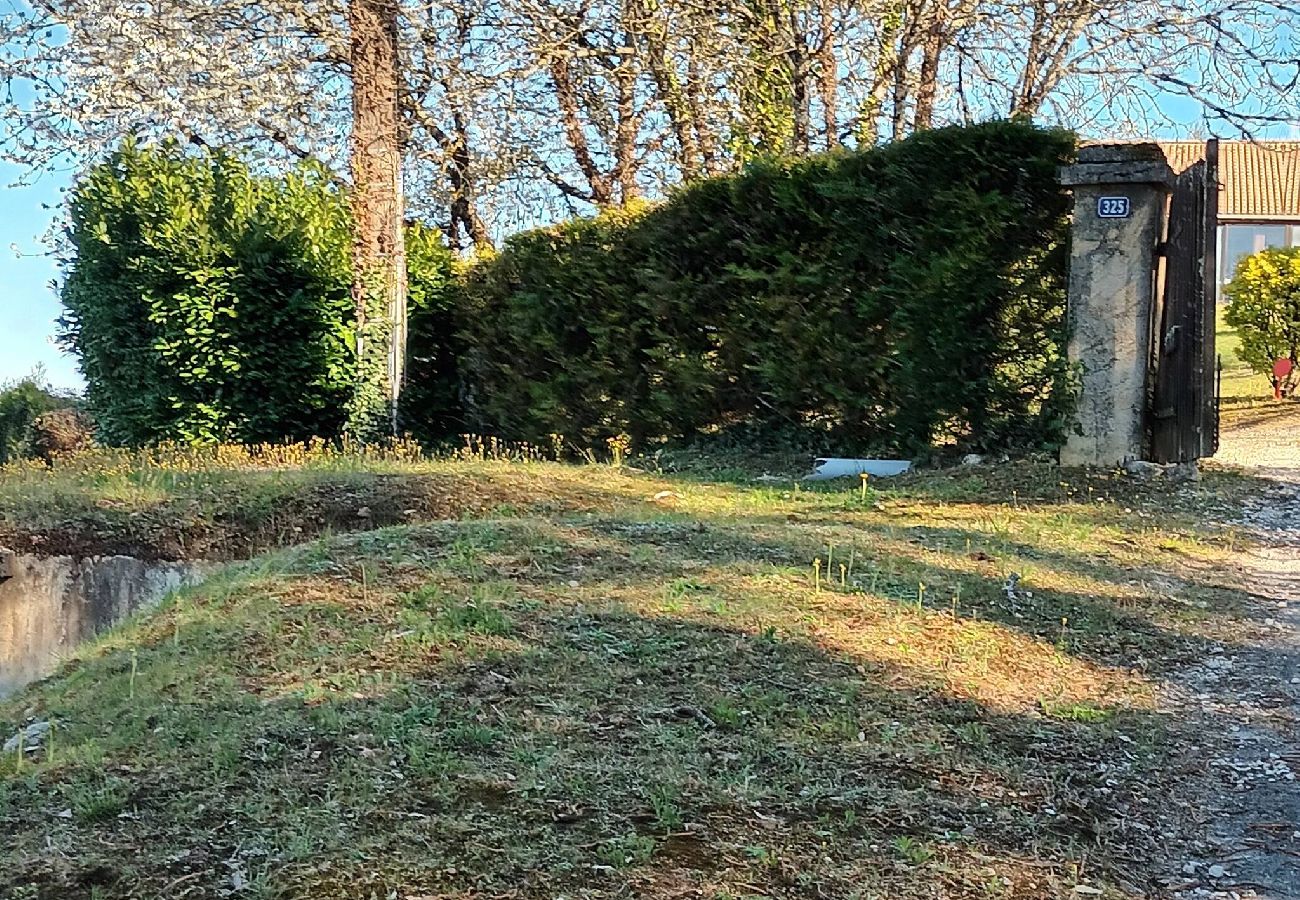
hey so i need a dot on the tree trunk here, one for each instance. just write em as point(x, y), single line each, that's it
point(927, 87)
point(828, 76)
point(566, 97)
point(379, 246)
point(626, 128)
point(670, 92)
point(797, 51)
point(464, 211)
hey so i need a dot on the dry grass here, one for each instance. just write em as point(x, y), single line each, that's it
point(609, 683)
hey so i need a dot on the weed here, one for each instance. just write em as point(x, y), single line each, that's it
point(973, 734)
point(426, 598)
point(913, 851)
point(472, 736)
point(665, 803)
point(631, 849)
point(97, 801)
point(425, 759)
point(1076, 712)
point(477, 614)
point(725, 714)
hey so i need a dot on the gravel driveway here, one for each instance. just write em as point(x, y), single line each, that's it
point(1266, 436)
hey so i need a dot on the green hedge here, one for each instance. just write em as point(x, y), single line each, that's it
point(431, 408)
point(882, 300)
point(206, 302)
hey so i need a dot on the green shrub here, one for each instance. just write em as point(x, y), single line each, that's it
point(884, 299)
point(1264, 307)
point(22, 406)
point(207, 302)
point(431, 399)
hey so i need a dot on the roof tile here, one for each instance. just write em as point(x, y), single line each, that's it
point(1257, 180)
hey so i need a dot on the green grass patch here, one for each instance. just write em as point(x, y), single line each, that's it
point(613, 693)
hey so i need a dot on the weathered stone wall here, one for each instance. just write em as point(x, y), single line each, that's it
point(50, 605)
point(1111, 298)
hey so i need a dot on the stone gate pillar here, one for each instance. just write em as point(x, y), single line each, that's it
point(1120, 193)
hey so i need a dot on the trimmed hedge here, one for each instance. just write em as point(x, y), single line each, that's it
point(207, 302)
point(884, 300)
point(431, 407)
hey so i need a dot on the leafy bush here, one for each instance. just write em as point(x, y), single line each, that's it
point(207, 303)
point(22, 405)
point(884, 299)
point(431, 399)
point(1264, 307)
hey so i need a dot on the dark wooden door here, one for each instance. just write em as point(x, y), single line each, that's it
point(1185, 404)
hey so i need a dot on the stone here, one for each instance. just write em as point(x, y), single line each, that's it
point(1216, 871)
point(972, 459)
point(31, 736)
point(1140, 468)
point(1183, 472)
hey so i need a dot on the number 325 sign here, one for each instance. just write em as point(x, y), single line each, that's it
point(1113, 207)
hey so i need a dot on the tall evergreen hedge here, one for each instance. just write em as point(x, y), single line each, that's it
point(207, 302)
point(884, 299)
point(878, 300)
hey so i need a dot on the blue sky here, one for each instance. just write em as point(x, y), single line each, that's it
point(28, 307)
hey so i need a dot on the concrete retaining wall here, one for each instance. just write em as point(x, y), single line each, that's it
point(50, 605)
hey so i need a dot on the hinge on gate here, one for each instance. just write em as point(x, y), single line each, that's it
point(1164, 413)
point(1162, 248)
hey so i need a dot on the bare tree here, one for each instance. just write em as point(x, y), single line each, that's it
point(516, 112)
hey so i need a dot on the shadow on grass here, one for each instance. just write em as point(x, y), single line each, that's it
point(1128, 629)
point(657, 707)
point(604, 752)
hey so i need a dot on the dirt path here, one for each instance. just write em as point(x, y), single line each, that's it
point(1245, 702)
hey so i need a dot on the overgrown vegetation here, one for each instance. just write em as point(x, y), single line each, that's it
point(33, 416)
point(207, 302)
point(889, 299)
point(611, 683)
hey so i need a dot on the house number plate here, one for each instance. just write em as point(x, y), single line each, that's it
point(1113, 207)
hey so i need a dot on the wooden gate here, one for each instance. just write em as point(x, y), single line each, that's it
point(1184, 410)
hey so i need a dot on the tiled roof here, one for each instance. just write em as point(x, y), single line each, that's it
point(1256, 180)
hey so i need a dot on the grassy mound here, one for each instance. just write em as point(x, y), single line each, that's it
point(615, 684)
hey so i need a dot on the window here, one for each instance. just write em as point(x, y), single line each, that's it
point(1239, 241)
